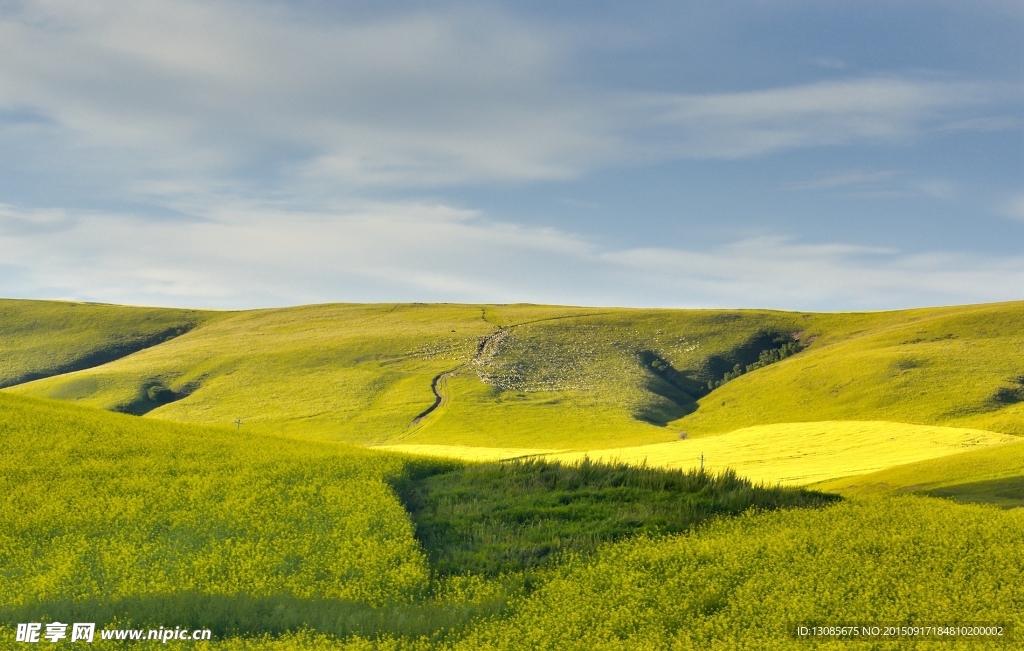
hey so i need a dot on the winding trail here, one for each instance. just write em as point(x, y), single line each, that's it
point(438, 396)
point(486, 349)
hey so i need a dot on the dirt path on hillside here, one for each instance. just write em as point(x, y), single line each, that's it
point(486, 350)
point(439, 397)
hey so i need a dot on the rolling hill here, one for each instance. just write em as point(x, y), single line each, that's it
point(951, 366)
point(45, 338)
point(561, 378)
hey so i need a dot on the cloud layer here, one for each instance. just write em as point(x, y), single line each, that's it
point(243, 257)
point(238, 154)
point(180, 95)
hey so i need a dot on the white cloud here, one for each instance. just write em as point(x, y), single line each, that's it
point(981, 124)
point(882, 184)
point(266, 131)
point(155, 95)
point(779, 272)
point(831, 63)
point(204, 87)
point(246, 256)
point(22, 223)
point(848, 178)
point(753, 123)
point(1013, 207)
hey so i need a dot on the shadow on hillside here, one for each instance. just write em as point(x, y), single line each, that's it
point(515, 516)
point(154, 394)
point(675, 392)
point(1007, 493)
point(112, 352)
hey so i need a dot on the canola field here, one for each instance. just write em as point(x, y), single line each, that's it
point(746, 583)
point(785, 453)
point(98, 506)
point(102, 508)
point(1001, 463)
point(282, 477)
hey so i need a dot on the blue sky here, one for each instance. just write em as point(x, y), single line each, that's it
point(789, 154)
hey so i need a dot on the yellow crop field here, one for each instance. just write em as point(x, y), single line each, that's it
point(746, 583)
point(102, 506)
point(980, 475)
point(786, 453)
point(324, 477)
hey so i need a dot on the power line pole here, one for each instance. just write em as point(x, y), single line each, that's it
point(238, 423)
point(702, 462)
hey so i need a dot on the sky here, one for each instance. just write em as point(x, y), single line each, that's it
point(789, 154)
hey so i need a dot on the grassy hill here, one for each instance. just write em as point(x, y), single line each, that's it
point(562, 378)
point(960, 366)
point(358, 373)
point(43, 338)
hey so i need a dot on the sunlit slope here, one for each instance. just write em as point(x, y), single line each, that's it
point(565, 377)
point(596, 378)
point(515, 375)
point(788, 453)
point(101, 506)
point(43, 338)
point(988, 470)
point(951, 366)
point(352, 372)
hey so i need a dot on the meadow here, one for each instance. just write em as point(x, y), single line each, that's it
point(412, 476)
point(46, 338)
point(498, 518)
point(559, 378)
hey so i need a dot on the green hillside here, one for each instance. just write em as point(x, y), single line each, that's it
point(343, 372)
point(363, 373)
point(43, 338)
point(959, 366)
point(564, 378)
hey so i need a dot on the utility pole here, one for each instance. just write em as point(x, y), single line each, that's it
point(238, 423)
point(702, 462)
